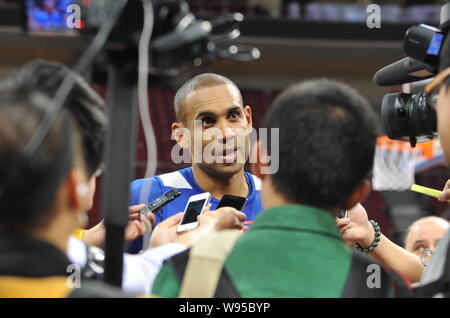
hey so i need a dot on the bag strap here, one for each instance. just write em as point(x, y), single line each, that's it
point(205, 264)
point(225, 287)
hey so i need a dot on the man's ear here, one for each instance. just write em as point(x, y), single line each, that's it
point(78, 191)
point(181, 135)
point(361, 193)
point(73, 190)
point(258, 154)
point(248, 115)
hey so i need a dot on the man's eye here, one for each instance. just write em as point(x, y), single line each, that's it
point(419, 248)
point(207, 121)
point(234, 115)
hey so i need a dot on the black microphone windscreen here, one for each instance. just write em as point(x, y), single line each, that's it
point(406, 70)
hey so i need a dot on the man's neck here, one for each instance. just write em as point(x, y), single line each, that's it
point(271, 198)
point(217, 186)
point(56, 234)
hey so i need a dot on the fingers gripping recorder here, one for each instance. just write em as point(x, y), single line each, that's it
point(155, 205)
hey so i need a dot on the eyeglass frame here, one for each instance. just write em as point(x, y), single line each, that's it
point(423, 258)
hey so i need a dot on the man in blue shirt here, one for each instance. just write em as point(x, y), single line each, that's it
point(213, 125)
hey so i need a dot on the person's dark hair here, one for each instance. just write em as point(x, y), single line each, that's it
point(444, 58)
point(195, 83)
point(327, 135)
point(83, 103)
point(28, 185)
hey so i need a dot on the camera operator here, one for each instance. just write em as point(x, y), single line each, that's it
point(356, 227)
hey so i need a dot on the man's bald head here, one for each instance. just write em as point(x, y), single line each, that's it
point(198, 82)
point(424, 233)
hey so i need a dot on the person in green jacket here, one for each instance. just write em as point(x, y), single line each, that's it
point(327, 133)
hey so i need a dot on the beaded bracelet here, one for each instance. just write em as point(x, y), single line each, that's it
point(375, 242)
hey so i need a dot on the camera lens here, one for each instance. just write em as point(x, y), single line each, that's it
point(423, 116)
point(407, 116)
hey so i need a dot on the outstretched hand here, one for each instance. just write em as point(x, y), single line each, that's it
point(356, 228)
point(137, 226)
point(222, 219)
point(166, 231)
point(209, 221)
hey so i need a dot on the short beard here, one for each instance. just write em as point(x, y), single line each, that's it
point(216, 170)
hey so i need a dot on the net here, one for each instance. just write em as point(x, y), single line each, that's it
point(396, 161)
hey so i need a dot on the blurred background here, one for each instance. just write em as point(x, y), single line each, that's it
point(298, 40)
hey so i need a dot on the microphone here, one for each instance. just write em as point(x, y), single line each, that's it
point(194, 32)
point(406, 70)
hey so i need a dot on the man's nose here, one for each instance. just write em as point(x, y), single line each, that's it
point(227, 131)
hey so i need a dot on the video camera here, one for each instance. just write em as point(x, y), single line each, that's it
point(178, 37)
point(408, 116)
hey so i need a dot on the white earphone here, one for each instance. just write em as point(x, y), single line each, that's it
point(82, 189)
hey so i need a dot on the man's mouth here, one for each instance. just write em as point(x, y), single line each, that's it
point(229, 155)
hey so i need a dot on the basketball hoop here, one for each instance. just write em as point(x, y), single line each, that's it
point(395, 163)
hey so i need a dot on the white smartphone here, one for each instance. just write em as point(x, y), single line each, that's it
point(194, 207)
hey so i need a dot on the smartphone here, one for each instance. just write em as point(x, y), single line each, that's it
point(232, 200)
point(194, 207)
point(160, 201)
